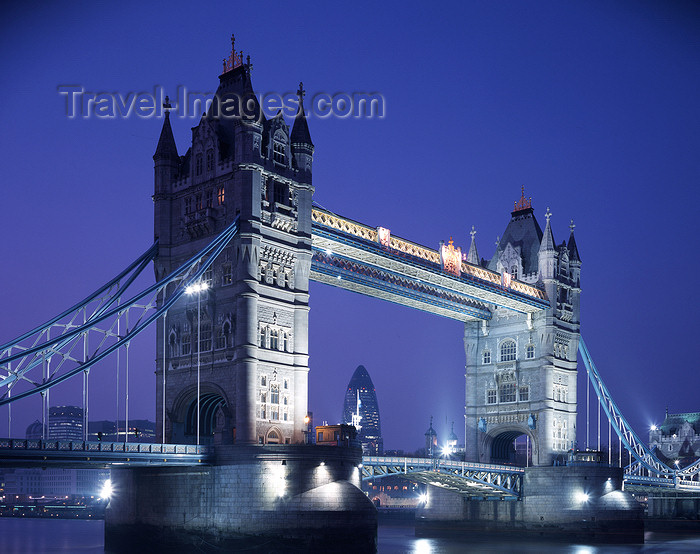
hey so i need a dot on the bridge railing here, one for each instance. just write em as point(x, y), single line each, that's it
point(468, 271)
point(100, 446)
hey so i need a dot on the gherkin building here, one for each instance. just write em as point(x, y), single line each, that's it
point(361, 399)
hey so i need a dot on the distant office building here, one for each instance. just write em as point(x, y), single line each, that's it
point(677, 438)
point(361, 409)
point(66, 423)
point(140, 430)
point(55, 481)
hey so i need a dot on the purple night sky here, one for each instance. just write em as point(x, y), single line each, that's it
point(593, 106)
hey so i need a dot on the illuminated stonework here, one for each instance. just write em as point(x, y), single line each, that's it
point(451, 258)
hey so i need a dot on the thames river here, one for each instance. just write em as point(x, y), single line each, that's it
point(38, 536)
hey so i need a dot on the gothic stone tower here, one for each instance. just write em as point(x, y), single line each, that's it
point(521, 370)
point(253, 317)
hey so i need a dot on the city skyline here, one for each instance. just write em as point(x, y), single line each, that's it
point(592, 108)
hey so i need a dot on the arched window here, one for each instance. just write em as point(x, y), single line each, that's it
point(514, 271)
point(274, 393)
point(507, 392)
point(508, 351)
point(210, 160)
point(173, 344)
point(273, 437)
point(278, 152)
point(530, 351)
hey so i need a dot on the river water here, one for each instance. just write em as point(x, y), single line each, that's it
point(40, 536)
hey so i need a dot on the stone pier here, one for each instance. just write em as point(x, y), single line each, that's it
point(584, 503)
point(307, 496)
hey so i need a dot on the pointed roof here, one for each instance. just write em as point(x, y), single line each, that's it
point(431, 432)
point(547, 244)
point(573, 249)
point(166, 143)
point(453, 436)
point(300, 130)
point(523, 231)
point(473, 255)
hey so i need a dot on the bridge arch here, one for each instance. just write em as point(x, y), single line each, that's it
point(216, 420)
point(499, 446)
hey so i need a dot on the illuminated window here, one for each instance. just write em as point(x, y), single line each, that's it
point(198, 164)
point(514, 271)
point(491, 396)
point(220, 195)
point(524, 394)
point(487, 356)
point(508, 351)
point(226, 274)
point(274, 342)
point(530, 351)
point(210, 160)
point(278, 152)
point(274, 393)
point(507, 392)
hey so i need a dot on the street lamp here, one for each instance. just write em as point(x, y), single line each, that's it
point(198, 288)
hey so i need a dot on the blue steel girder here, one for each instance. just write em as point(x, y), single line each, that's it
point(471, 479)
point(390, 285)
point(416, 265)
point(29, 364)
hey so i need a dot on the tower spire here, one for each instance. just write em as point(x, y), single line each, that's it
point(300, 130)
point(547, 243)
point(473, 255)
point(166, 143)
point(571, 246)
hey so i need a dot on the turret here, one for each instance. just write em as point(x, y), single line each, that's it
point(302, 147)
point(473, 255)
point(165, 158)
point(547, 261)
point(575, 272)
point(166, 162)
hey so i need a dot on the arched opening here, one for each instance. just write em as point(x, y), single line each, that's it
point(273, 437)
point(209, 403)
point(512, 448)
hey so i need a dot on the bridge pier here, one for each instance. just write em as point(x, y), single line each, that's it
point(303, 495)
point(582, 503)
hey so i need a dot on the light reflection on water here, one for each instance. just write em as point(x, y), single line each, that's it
point(50, 536)
point(401, 540)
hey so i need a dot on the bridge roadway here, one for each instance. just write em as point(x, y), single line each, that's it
point(371, 261)
point(475, 480)
point(487, 481)
point(81, 454)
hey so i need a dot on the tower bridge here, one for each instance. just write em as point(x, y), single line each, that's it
point(236, 241)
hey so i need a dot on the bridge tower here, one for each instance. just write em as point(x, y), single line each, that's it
point(247, 331)
point(521, 369)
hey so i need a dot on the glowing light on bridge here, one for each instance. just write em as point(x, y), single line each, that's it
point(581, 497)
point(107, 490)
point(451, 258)
point(197, 287)
point(384, 236)
point(653, 427)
